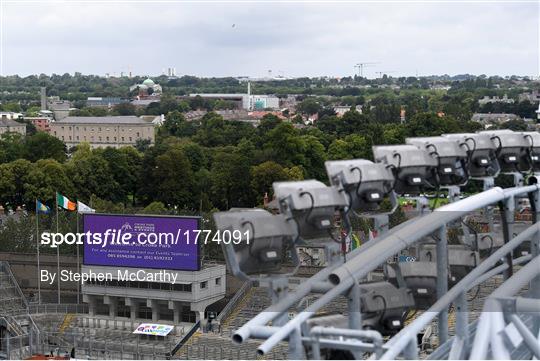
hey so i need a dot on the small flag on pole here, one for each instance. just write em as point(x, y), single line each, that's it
point(65, 203)
point(355, 242)
point(83, 208)
point(42, 208)
point(372, 235)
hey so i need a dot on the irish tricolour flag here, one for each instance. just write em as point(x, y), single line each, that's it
point(65, 203)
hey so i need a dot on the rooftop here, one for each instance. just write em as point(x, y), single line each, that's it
point(494, 115)
point(127, 119)
point(10, 123)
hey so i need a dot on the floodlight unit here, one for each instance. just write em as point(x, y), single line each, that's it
point(451, 156)
point(267, 242)
point(481, 152)
point(414, 169)
point(512, 150)
point(365, 183)
point(312, 205)
point(420, 277)
point(534, 144)
point(461, 259)
point(384, 306)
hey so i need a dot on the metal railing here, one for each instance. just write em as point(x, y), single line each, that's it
point(23, 344)
point(339, 279)
point(88, 345)
point(483, 271)
point(4, 267)
point(53, 308)
point(206, 352)
point(501, 309)
point(58, 308)
point(186, 337)
point(242, 291)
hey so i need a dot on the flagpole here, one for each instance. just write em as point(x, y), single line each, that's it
point(37, 245)
point(78, 259)
point(57, 249)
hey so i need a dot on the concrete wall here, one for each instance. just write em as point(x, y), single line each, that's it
point(21, 129)
point(207, 275)
point(24, 268)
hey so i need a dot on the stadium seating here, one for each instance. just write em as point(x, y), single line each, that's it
point(217, 344)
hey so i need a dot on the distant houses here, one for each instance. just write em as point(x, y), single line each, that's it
point(488, 119)
point(8, 125)
point(495, 99)
point(533, 97)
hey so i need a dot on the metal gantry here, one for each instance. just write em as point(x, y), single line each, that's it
point(348, 276)
point(340, 279)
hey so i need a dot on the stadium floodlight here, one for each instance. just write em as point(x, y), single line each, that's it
point(256, 242)
point(512, 150)
point(486, 243)
point(451, 156)
point(414, 169)
point(384, 306)
point(461, 259)
point(534, 144)
point(420, 277)
point(311, 204)
point(481, 151)
point(366, 184)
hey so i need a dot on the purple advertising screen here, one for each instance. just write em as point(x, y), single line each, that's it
point(141, 241)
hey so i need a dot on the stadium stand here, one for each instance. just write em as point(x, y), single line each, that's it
point(216, 344)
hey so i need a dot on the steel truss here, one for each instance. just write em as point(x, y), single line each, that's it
point(342, 278)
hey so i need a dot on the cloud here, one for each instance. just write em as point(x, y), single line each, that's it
point(296, 39)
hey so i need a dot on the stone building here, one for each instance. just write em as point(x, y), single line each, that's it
point(11, 126)
point(110, 131)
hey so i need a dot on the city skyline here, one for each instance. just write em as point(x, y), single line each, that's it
point(290, 39)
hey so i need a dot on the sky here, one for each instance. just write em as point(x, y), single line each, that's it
point(299, 38)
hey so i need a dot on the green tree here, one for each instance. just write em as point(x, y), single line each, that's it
point(351, 147)
point(168, 103)
point(155, 208)
point(11, 147)
point(283, 145)
point(215, 131)
point(7, 186)
point(230, 180)
point(46, 177)
point(196, 154)
point(106, 206)
point(173, 179)
point(431, 124)
point(394, 134)
point(309, 106)
point(262, 177)
point(314, 157)
point(142, 145)
point(125, 164)
point(124, 109)
point(352, 122)
point(92, 175)
point(516, 125)
point(11, 107)
point(18, 235)
point(42, 146)
point(177, 126)
point(268, 122)
point(295, 173)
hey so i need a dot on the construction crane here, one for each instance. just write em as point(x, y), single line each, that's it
point(381, 73)
point(361, 67)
